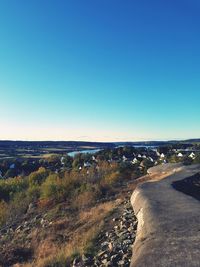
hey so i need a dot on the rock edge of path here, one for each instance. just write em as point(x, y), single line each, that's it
point(168, 232)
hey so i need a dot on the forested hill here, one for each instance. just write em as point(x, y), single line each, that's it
point(158, 143)
point(8, 143)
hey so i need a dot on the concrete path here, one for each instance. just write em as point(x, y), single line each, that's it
point(168, 231)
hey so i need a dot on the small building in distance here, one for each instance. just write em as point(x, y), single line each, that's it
point(192, 155)
point(180, 155)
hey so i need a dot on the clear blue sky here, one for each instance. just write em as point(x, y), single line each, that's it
point(99, 70)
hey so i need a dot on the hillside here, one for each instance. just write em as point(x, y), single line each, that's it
point(52, 218)
point(46, 226)
point(75, 210)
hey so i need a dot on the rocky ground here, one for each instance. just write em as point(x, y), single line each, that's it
point(16, 239)
point(115, 244)
point(21, 241)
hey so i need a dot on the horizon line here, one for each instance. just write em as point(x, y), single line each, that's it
point(85, 141)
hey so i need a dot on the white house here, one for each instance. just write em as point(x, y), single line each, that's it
point(134, 161)
point(62, 160)
point(180, 155)
point(139, 156)
point(192, 155)
point(94, 159)
point(162, 156)
point(124, 158)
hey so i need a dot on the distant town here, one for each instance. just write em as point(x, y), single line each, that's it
point(19, 158)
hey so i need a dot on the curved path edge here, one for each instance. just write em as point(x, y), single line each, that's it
point(168, 231)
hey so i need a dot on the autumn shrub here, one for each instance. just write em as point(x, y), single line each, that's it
point(76, 178)
point(105, 168)
point(111, 179)
point(86, 197)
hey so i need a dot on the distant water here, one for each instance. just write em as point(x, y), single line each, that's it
point(93, 151)
point(89, 151)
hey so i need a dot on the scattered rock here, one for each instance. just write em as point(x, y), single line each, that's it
point(115, 247)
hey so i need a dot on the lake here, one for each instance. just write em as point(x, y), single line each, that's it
point(89, 151)
point(93, 151)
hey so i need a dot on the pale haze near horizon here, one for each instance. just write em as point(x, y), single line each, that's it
point(59, 133)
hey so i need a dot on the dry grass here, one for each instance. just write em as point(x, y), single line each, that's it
point(82, 237)
point(61, 224)
point(84, 200)
point(81, 230)
point(3, 212)
point(98, 212)
point(90, 223)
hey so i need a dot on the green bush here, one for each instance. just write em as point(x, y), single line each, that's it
point(38, 177)
point(18, 204)
point(34, 193)
point(53, 188)
point(11, 186)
